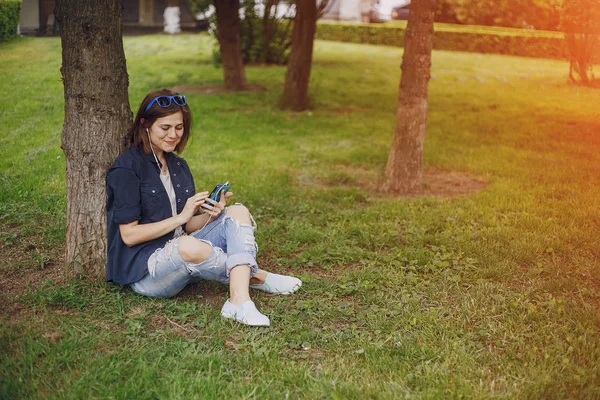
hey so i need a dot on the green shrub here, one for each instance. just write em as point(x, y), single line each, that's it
point(537, 14)
point(517, 42)
point(581, 24)
point(10, 11)
point(262, 41)
point(256, 48)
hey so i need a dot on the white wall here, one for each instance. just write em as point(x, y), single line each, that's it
point(350, 10)
point(30, 16)
point(347, 10)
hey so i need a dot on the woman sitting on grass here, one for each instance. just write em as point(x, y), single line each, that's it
point(162, 235)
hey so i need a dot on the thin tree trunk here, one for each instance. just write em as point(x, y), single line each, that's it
point(295, 91)
point(228, 33)
point(267, 29)
point(97, 115)
point(403, 171)
point(584, 57)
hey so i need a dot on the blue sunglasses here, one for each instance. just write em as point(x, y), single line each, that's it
point(165, 101)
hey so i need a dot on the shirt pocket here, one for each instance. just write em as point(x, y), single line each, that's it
point(187, 191)
point(154, 200)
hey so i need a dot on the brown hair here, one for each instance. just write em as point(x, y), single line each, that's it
point(136, 135)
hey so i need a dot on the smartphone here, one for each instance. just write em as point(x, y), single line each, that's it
point(216, 192)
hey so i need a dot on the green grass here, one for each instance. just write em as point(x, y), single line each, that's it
point(493, 294)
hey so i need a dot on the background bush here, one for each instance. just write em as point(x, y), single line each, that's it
point(530, 14)
point(259, 47)
point(264, 39)
point(517, 42)
point(10, 11)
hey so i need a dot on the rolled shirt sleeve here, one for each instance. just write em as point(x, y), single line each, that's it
point(125, 187)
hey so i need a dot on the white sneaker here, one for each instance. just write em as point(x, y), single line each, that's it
point(246, 313)
point(278, 284)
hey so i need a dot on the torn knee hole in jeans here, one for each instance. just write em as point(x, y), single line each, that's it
point(238, 223)
point(213, 260)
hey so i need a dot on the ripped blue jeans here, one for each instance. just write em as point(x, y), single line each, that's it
point(232, 244)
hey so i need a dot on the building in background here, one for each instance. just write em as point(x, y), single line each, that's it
point(37, 16)
point(348, 10)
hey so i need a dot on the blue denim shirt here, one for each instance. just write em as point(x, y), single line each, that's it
point(136, 193)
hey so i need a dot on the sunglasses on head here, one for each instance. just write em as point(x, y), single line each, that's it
point(165, 101)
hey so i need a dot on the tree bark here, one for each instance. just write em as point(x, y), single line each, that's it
point(403, 171)
point(97, 115)
point(295, 91)
point(228, 33)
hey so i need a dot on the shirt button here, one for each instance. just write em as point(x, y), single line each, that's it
point(186, 190)
point(153, 191)
point(178, 163)
point(179, 200)
point(178, 185)
point(174, 174)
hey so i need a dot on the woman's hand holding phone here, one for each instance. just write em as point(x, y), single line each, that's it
point(215, 208)
point(192, 205)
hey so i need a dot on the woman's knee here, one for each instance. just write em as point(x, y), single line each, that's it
point(239, 213)
point(193, 250)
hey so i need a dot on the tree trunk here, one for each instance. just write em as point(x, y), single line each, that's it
point(267, 29)
point(228, 33)
point(295, 91)
point(403, 171)
point(584, 58)
point(97, 115)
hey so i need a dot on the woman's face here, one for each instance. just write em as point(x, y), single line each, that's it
point(166, 132)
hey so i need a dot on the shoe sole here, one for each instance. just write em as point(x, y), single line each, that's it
point(294, 289)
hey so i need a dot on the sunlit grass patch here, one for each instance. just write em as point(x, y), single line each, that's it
point(489, 293)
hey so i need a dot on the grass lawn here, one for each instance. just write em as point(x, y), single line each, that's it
point(490, 294)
